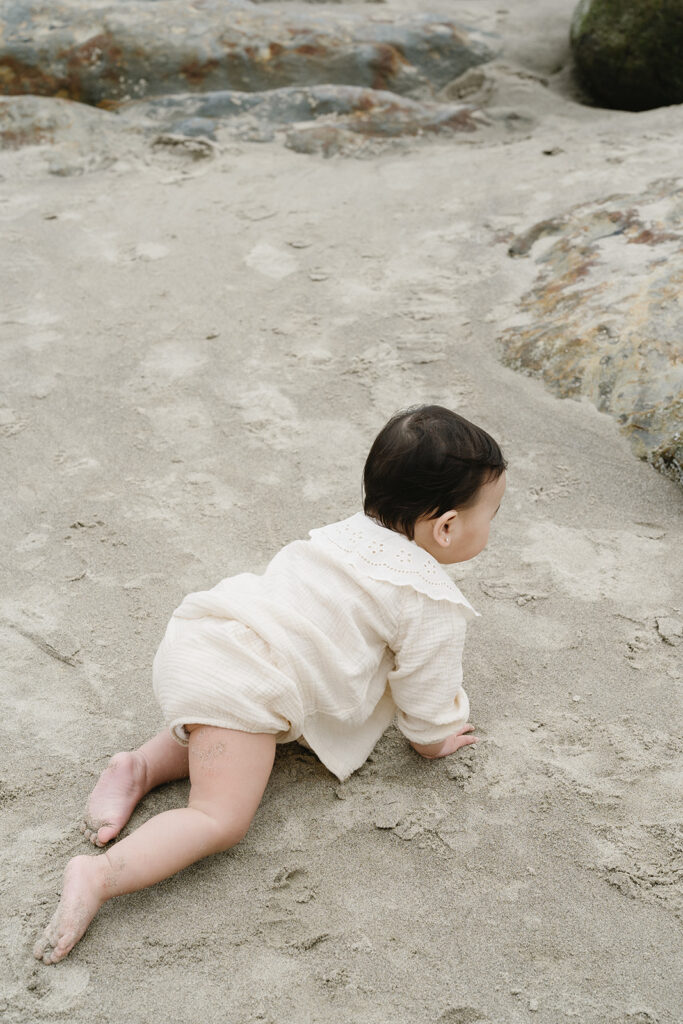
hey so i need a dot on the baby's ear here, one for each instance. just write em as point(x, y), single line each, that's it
point(444, 526)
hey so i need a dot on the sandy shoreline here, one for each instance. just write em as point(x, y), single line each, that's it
point(193, 368)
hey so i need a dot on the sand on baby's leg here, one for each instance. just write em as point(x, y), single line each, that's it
point(128, 777)
point(228, 772)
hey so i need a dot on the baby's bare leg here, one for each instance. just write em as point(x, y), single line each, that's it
point(124, 782)
point(228, 773)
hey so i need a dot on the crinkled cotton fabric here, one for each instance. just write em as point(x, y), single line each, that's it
point(341, 634)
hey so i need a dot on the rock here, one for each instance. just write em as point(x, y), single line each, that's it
point(155, 66)
point(605, 316)
point(35, 121)
point(68, 138)
point(327, 119)
point(321, 118)
point(103, 53)
point(629, 53)
point(379, 119)
point(197, 148)
point(282, 106)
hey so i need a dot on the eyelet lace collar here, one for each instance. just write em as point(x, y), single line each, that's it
point(386, 555)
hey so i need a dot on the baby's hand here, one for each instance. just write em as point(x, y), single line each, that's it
point(448, 746)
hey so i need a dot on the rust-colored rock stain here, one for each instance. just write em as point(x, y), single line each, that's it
point(600, 324)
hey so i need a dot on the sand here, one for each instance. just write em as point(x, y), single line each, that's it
point(195, 358)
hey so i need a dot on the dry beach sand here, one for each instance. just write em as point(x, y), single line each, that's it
point(196, 355)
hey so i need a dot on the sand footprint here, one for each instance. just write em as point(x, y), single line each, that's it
point(271, 261)
point(592, 565)
point(59, 991)
point(643, 862)
point(286, 930)
point(294, 880)
point(462, 1015)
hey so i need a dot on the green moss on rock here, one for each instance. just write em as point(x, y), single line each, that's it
point(629, 53)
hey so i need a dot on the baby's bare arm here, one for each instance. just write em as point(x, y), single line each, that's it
point(448, 746)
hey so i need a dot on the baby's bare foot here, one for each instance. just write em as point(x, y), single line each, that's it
point(82, 896)
point(121, 785)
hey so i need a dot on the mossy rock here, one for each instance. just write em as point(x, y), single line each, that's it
point(629, 53)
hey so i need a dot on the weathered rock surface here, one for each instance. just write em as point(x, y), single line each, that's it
point(629, 53)
point(323, 118)
point(97, 53)
point(34, 121)
point(605, 316)
point(383, 118)
point(72, 137)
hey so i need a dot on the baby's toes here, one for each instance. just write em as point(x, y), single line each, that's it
point(56, 942)
point(104, 834)
point(64, 946)
point(45, 945)
point(90, 830)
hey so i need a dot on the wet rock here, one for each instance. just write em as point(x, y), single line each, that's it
point(380, 119)
point(223, 107)
point(97, 54)
point(323, 119)
point(605, 316)
point(629, 53)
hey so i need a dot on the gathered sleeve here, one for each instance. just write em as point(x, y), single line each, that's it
point(426, 682)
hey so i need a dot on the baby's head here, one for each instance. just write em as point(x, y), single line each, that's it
point(437, 478)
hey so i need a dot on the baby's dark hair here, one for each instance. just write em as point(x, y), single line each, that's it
point(425, 461)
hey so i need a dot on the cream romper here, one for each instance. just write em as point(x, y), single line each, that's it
point(341, 633)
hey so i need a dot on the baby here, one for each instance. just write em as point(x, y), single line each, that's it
point(342, 633)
